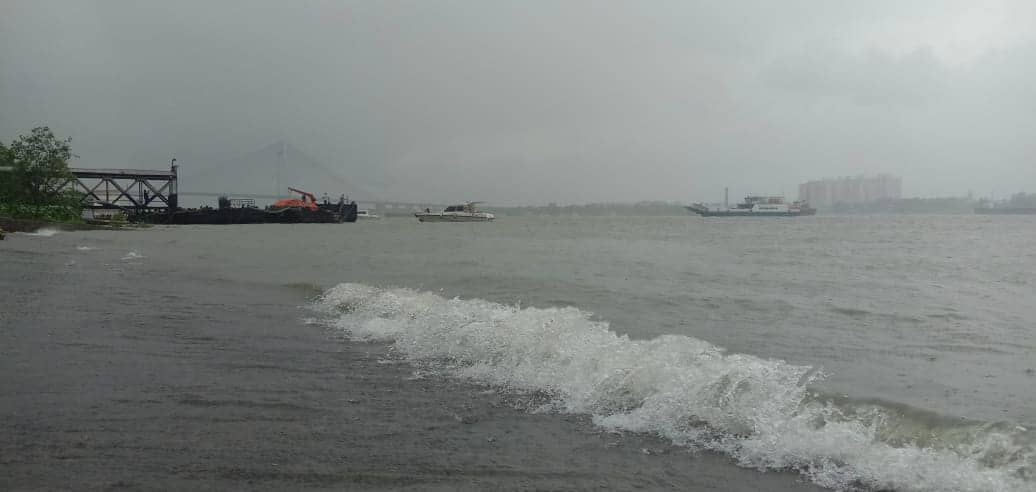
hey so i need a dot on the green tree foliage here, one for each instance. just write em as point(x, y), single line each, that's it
point(36, 184)
point(7, 188)
point(40, 162)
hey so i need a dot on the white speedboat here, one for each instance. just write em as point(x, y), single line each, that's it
point(456, 213)
point(364, 214)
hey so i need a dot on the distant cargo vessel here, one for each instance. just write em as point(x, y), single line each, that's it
point(755, 206)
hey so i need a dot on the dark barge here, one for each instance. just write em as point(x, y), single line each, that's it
point(151, 197)
point(243, 211)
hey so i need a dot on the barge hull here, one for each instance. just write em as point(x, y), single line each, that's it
point(335, 214)
point(451, 218)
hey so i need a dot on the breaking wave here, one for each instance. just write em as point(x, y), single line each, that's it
point(133, 255)
point(43, 232)
point(761, 412)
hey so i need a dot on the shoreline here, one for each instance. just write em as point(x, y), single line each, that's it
point(205, 382)
point(9, 224)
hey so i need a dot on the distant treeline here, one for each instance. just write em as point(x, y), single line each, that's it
point(1019, 200)
point(597, 209)
point(938, 205)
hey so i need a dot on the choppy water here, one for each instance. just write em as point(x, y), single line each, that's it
point(879, 352)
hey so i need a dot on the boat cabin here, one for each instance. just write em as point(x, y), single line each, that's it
point(467, 207)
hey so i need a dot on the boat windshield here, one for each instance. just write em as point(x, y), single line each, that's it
point(470, 208)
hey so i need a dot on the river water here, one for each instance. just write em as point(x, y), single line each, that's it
point(885, 352)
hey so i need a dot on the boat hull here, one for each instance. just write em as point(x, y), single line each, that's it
point(749, 213)
point(426, 217)
point(332, 214)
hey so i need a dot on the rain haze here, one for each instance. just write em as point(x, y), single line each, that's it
point(536, 102)
point(523, 270)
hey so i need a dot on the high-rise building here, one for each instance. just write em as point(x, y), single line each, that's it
point(857, 189)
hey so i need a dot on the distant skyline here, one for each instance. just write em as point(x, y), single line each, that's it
point(540, 101)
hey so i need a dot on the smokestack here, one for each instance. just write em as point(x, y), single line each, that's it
point(726, 197)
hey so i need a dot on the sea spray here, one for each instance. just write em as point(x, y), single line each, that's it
point(133, 255)
point(42, 232)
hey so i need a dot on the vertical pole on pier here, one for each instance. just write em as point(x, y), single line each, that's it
point(172, 202)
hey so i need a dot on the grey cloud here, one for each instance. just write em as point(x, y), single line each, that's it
point(526, 102)
point(874, 78)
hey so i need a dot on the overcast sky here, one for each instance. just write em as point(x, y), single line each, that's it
point(532, 102)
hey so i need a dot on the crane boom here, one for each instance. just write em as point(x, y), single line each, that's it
point(312, 198)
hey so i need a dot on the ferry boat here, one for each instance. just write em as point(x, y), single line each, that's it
point(456, 213)
point(755, 206)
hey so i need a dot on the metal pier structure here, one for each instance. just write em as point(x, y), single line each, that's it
point(147, 191)
point(132, 190)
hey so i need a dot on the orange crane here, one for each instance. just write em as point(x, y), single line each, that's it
point(307, 201)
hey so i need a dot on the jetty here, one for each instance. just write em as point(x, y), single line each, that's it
point(152, 197)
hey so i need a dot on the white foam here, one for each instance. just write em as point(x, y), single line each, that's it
point(133, 255)
point(758, 411)
point(85, 248)
point(43, 232)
